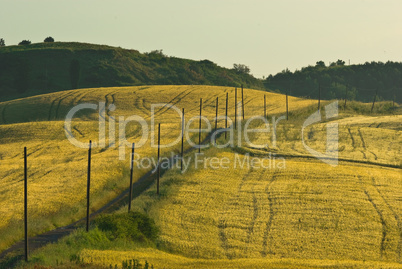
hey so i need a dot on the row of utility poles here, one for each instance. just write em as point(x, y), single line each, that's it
point(158, 154)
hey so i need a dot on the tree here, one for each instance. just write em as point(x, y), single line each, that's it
point(74, 73)
point(157, 52)
point(241, 68)
point(48, 39)
point(2, 43)
point(24, 42)
point(340, 62)
point(320, 64)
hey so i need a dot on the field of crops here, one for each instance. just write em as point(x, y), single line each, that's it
point(57, 169)
point(160, 259)
point(309, 209)
point(364, 138)
point(299, 212)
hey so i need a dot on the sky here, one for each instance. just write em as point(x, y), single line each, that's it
point(267, 36)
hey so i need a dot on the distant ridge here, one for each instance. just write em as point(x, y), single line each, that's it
point(49, 67)
point(357, 82)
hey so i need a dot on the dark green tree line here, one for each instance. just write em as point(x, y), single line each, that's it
point(359, 82)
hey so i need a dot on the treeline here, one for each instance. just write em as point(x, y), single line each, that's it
point(54, 66)
point(357, 82)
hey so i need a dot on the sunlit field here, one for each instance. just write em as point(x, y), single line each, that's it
point(296, 213)
point(161, 259)
point(306, 209)
point(57, 169)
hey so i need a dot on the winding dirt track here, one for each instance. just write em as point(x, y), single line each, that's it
point(17, 250)
point(36, 242)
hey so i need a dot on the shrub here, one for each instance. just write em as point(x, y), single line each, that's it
point(134, 225)
point(48, 39)
point(24, 42)
point(241, 68)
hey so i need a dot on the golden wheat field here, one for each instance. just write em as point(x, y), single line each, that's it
point(57, 169)
point(306, 209)
point(364, 138)
point(294, 212)
point(160, 259)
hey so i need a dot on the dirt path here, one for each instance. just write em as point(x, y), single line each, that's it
point(16, 251)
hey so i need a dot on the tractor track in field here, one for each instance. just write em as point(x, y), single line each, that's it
point(255, 203)
point(112, 94)
point(363, 144)
point(254, 217)
point(295, 156)
point(364, 154)
point(383, 224)
point(396, 216)
point(59, 103)
point(361, 138)
point(50, 109)
point(107, 111)
point(222, 236)
point(353, 139)
point(268, 225)
point(59, 99)
point(254, 209)
point(139, 103)
point(375, 155)
point(174, 101)
point(34, 150)
point(196, 107)
point(78, 131)
point(222, 222)
point(40, 240)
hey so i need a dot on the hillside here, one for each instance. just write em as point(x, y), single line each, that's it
point(49, 67)
point(357, 82)
point(308, 215)
point(38, 123)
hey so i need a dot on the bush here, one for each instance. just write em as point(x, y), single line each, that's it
point(25, 42)
point(133, 225)
point(2, 42)
point(241, 68)
point(48, 39)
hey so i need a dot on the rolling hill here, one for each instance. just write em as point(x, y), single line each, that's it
point(49, 67)
point(304, 215)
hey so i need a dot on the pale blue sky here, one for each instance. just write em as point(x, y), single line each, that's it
point(268, 36)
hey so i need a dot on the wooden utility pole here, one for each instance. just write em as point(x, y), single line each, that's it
point(26, 203)
point(375, 97)
point(182, 141)
point(199, 128)
point(319, 96)
point(88, 182)
point(242, 101)
point(216, 114)
point(346, 97)
point(130, 197)
point(158, 168)
point(226, 113)
point(235, 123)
point(393, 98)
point(287, 106)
